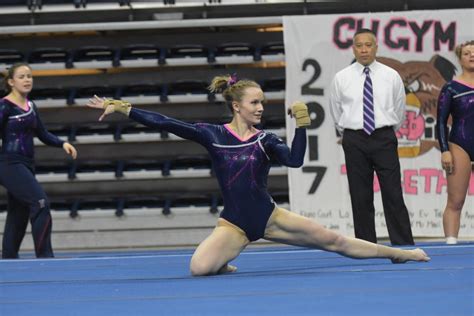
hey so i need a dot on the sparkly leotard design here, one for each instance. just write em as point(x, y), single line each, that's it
point(18, 128)
point(456, 99)
point(241, 166)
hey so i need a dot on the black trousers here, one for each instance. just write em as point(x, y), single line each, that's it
point(365, 154)
point(26, 201)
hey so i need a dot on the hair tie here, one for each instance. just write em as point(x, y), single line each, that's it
point(232, 80)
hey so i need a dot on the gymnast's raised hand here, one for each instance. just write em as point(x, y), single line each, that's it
point(109, 106)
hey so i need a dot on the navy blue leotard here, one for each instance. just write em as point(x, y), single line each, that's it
point(456, 99)
point(241, 166)
point(26, 199)
point(18, 128)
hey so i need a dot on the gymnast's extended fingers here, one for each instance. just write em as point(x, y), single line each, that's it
point(96, 102)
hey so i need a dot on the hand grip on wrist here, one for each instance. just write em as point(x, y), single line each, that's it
point(111, 105)
point(300, 111)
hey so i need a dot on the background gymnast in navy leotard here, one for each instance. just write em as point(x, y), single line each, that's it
point(457, 99)
point(241, 156)
point(19, 123)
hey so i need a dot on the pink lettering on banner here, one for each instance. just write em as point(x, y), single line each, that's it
point(442, 182)
point(398, 33)
point(343, 169)
point(428, 173)
point(409, 183)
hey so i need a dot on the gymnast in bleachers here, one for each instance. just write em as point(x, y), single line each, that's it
point(241, 156)
point(19, 123)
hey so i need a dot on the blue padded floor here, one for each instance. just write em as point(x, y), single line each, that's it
point(269, 281)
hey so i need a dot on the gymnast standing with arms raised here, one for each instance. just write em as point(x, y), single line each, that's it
point(19, 123)
point(457, 149)
point(241, 157)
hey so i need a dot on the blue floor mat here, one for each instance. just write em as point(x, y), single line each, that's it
point(269, 281)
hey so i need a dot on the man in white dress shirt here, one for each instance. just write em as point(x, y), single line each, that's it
point(367, 102)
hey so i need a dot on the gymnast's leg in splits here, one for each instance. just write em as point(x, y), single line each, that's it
point(227, 241)
point(293, 229)
point(223, 245)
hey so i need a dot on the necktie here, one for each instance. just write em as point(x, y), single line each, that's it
point(369, 119)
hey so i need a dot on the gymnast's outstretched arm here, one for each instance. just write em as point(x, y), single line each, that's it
point(147, 118)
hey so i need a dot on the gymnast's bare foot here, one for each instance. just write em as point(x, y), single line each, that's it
point(411, 255)
point(227, 269)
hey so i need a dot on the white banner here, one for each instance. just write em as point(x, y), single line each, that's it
point(419, 45)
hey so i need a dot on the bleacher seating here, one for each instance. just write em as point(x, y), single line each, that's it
point(49, 58)
point(273, 51)
point(141, 55)
point(10, 56)
point(94, 57)
point(235, 52)
point(187, 91)
point(188, 55)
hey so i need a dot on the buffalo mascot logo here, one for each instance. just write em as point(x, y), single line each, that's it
point(423, 82)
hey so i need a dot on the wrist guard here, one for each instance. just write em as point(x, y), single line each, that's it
point(111, 105)
point(300, 111)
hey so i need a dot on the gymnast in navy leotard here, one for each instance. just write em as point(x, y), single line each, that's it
point(457, 99)
point(19, 123)
point(241, 165)
point(241, 156)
